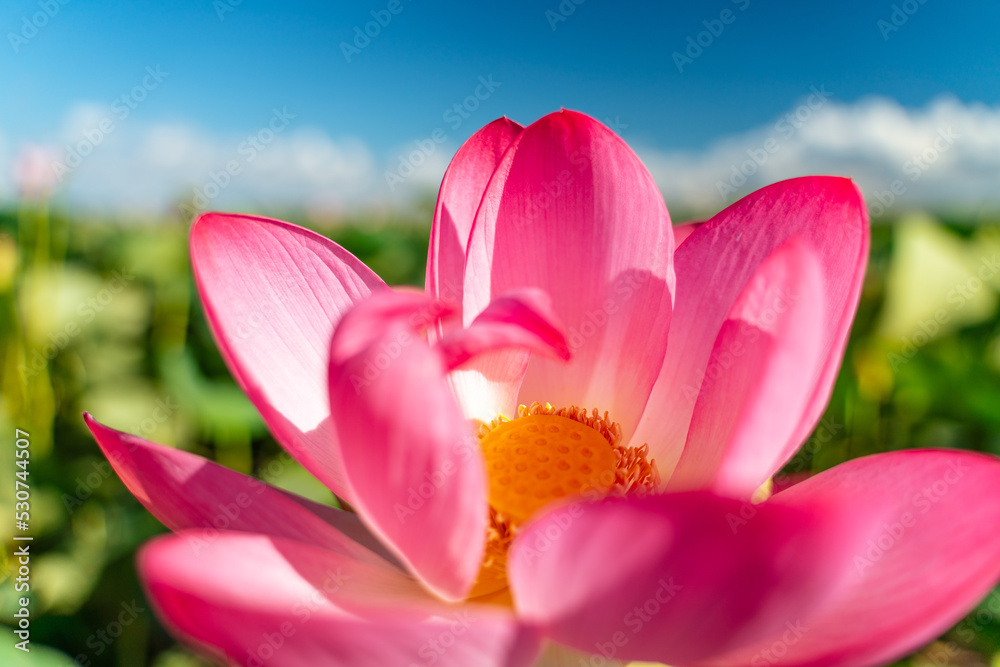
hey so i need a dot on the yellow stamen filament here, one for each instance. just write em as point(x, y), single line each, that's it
point(546, 454)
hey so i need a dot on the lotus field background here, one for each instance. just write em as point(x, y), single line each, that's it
point(105, 316)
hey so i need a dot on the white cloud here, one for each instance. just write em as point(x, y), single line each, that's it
point(110, 163)
point(114, 163)
point(946, 156)
point(140, 167)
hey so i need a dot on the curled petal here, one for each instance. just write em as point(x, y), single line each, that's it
point(404, 307)
point(522, 320)
point(413, 463)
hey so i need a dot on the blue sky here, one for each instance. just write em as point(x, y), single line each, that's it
point(229, 63)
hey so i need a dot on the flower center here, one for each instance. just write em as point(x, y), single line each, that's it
point(545, 454)
point(540, 458)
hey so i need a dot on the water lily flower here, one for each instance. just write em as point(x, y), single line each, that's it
point(36, 172)
point(560, 451)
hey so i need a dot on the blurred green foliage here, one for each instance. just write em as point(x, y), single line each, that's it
point(105, 318)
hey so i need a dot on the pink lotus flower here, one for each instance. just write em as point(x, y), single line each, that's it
point(625, 511)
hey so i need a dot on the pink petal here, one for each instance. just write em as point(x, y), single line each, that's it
point(768, 353)
point(497, 346)
point(487, 385)
point(185, 491)
point(679, 577)
point(681, 232)
point(273, 293)
point(715, 264)
point(937, 553)
point(416, 310)
point(461, 191)
point(413, 462)
point(260, 601)
point(571, 210)
point(522, 319)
